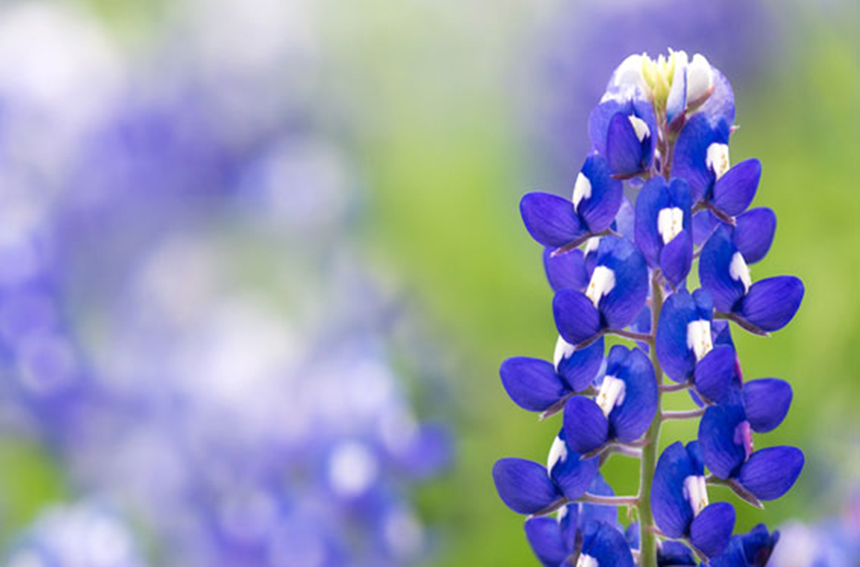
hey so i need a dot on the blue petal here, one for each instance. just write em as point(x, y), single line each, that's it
point(572, 474)
point(704, 223)
point(524, 486)
point(766, 402)
point(633, 535)
point(676, 358)
point(580, 369)
point(714, 271)
point(674, 554)
point(547, 540)
point(625, 219)
point(550, 219)
point(607, 546)
point(758, 545)
point(771, 303)
point(624, 302)
point(753, 233)
point(599, 209)
point(715, 371)
point(653, 197)
point(576, 317)
point(672, 512)
point(691, 150)
point(677, 258)
point(599, 512)
point(565, 270)
point(733, 556)
point(532, 383)
point(599, 119)
point(724, 450)
point(720, 106)
point(712, 528)
point(633, 417)
point(771, 472)
point(586, 427)
point(623, 148)
point(734, 191)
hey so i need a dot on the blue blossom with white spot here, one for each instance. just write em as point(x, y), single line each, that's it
point(620, 269)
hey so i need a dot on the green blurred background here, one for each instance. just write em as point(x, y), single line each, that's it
point(436, 91)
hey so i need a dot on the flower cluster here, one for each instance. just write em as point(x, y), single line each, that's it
point(620, 266)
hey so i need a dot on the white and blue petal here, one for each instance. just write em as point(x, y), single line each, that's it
point(694, 154)
point(630, 418)
point(620, 302)
point(723, 270)
point(683, 333)
point(734, 191)
point(570, 473)
point(579, 366)
point(720, 105)
point(598, 206)
point(671, 509)
point(753, 233)
point(605, 546)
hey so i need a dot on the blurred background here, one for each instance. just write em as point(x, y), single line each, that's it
point(260, 262)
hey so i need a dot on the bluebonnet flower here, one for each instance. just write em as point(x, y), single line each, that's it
point(761, 307)
point(556, 222)
point(725, 433)
point(623, 407)
point(663, 128)
point(689, 348)
point(664, 227)
point(614, 297)
point(528, 487)
point(537, 385)
point(680, 501)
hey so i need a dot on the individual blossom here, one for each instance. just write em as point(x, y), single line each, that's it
point(623, 408)
point(614, 297)
point(528, 487)
point(761, 307)
point(725, 435)
point(538, 385)
point(623, 128)
point(679, 500)
point(557, 222)
point(664, 227)
point(689, 348)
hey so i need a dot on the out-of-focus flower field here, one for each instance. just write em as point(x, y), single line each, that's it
point(260, 262)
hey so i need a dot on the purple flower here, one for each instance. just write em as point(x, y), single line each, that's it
point(528, 487)
point(750, 550)
point(664, 227)
point(761, 307)
point(679, 500)
point(614, 297)
point(557, 222)
point(623, 408)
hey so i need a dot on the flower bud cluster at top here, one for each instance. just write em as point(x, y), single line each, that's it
point(620, 267)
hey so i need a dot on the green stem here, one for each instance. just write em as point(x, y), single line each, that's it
point(648, 549)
